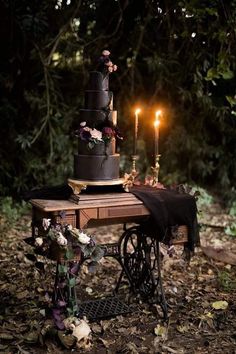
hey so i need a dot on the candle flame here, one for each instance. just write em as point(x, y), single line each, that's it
point(137, 111)
point(156, 123)
point(158, 113)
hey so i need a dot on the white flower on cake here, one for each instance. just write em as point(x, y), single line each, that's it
point(96, 134)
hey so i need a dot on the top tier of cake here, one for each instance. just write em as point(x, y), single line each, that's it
point(98, 105)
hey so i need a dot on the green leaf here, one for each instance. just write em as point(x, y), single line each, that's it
point(71, 282)
point(231, 100)
point(69, 254)
point(220, 305)
point(62, 269)
point(97, 254)
point(227, 75)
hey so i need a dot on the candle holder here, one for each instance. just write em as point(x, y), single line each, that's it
point(155, 170)
point(134, 159)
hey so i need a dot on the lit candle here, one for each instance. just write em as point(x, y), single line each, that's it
point(138, 110)
point(156, 127)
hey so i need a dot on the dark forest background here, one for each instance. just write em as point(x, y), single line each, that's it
point(175, 55)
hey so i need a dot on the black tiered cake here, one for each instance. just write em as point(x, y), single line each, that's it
point(97, 159)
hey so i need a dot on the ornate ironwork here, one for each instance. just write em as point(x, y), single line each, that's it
point(140, 260)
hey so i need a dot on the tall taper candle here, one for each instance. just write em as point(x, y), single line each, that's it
point(156, 126)
point(138, 110)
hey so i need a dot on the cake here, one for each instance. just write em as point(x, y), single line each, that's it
point(97, 159)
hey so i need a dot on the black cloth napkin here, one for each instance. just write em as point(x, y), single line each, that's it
point(169, 208)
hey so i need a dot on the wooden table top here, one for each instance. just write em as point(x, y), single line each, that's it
point(87, 201)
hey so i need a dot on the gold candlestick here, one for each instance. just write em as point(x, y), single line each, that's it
point(134, 159)
point(155, 170)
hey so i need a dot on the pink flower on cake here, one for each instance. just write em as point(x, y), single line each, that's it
point(106, 53)
point(105, 65)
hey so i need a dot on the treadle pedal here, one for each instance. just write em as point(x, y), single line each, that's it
point(102, 308)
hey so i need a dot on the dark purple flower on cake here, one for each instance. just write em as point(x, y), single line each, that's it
point(108, 132)
point(84, 134)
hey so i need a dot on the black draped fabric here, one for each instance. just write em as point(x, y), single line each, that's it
point(60, 192)
point(169, 208)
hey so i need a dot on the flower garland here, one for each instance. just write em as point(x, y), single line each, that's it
point(69, 246)
point(94, 136)
point(70, 243)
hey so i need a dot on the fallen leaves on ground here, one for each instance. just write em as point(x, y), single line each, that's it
point(200, 295)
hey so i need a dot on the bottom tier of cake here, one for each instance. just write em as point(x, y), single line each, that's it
point(93, 168)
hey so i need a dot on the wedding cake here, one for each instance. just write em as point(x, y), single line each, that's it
point(97, 159)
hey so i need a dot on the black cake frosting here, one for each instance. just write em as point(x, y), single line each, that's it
point(100, 162)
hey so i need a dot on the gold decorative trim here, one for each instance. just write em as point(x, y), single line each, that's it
point(78, 185)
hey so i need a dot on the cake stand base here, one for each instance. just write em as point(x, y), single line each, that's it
point(78, 185)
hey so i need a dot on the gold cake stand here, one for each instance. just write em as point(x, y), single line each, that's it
point(78, 184)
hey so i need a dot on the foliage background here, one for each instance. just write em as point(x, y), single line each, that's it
point(179, 56)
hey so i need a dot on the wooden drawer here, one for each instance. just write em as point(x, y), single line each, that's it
point(124, 211)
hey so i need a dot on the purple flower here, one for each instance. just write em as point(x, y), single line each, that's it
point(84, 134)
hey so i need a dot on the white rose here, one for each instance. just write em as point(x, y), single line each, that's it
point(38, 241)
point(83, 238)
point(96, 134)
point(83, 124)
point(61, 240)
point(46, 223)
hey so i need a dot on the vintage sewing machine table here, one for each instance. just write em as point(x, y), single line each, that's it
point(137, 253)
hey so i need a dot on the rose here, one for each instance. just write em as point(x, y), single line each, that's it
point(106, 53)
point(96, 134)
point(38, 241)
point(46, 223)
point(61, 240)
point(83, 238)
point(108, 132)
point(83, 124)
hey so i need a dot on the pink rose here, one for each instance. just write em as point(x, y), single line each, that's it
point(106, 53)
